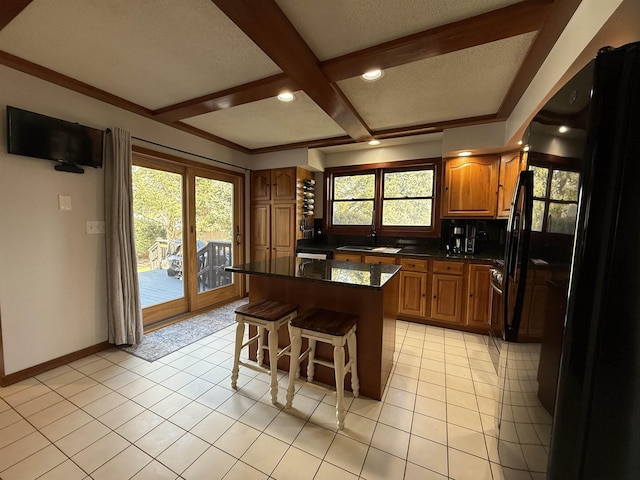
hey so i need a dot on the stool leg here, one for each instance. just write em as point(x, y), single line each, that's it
point(338, 361)
point(296, 343)
point(236, 354)
point(353, 355)
point(311, 366)
point(273, 362)
point(260, 358)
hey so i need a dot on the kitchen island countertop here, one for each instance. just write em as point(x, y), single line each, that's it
point(352, 274)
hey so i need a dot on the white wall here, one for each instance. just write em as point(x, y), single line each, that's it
point(52, 274)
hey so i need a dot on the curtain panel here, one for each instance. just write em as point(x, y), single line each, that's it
point(124, 313)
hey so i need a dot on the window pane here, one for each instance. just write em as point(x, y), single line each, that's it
point(358, 212)
point(538, 216)
point(353, 187)
point(214, 232)
point(157, 219)
point(562, 217)
point(564, 185)
point(540, 175)
point(414, 213)
point(417, 183)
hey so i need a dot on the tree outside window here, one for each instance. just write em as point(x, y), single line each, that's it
point(555, 199)
point(390, 200)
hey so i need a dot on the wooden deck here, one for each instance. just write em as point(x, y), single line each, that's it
point(157, 287)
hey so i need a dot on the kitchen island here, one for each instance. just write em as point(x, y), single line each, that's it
point(364, 289)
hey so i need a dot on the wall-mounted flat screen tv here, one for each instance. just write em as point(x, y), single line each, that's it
point(39, 136)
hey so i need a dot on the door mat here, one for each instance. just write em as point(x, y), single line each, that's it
point(171, 338)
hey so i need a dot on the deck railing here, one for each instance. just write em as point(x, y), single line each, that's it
point(212, 258)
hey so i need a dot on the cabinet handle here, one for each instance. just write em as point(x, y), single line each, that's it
point(471, 295)
point(434, 296)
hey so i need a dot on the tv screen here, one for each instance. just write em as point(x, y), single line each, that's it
point(35, 135)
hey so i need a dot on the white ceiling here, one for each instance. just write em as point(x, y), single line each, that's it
point(154, 54)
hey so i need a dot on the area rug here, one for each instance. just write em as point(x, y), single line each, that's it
point(167, 340)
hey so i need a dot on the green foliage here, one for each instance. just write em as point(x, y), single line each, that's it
point(214, 206)
point(157, 206)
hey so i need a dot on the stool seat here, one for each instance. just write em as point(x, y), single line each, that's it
point(336, 329)
point(325, 321)
point(266, 316)
point(269, 310)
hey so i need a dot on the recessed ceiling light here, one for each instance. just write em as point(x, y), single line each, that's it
point(464, 154)
point(520, 142)
point(526, 148)
point(563, 129)
point(372, 75)
point(286, 97)
point(373, 143)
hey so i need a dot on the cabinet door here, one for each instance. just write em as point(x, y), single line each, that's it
point(478, 291)
point(283, 238)
point(260, 185)
point(446, 301)
point(413, 297)
point(283, 184)
point(260, 231)
point(470, 187)
point(539, 294)
point(510, 167)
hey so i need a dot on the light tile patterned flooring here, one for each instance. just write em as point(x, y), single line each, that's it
point(115, 416)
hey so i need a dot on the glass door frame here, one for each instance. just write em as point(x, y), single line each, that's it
point(199, 300)
point(192, 301)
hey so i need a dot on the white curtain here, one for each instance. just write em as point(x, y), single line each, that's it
point(124, 313)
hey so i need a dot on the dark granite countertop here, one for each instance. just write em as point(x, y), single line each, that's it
point(353, 274)
point(407, 251)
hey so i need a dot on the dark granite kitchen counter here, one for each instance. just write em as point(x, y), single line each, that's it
point(406, 251)
point(353, 274)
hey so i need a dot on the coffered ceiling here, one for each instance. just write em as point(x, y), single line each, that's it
point(214, 67)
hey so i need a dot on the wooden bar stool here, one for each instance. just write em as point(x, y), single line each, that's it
point(267, 316)
point(334, 328)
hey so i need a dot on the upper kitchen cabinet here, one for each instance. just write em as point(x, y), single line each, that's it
point(510, 166)
point(471, 187)
point(278, 184)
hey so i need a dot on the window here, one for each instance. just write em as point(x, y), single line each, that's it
point(353, 199)
point(397, 200)
point(407, 198)
point(555, 199)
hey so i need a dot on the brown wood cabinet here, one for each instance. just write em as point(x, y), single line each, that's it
point(276, 212)
point(446, 291)
point(385, 259)
point(510, 166)
point(470, 187)
point(413, 297)
point(478, 296)
point(347, 257)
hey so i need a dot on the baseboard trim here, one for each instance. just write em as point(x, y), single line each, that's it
point(6, 380)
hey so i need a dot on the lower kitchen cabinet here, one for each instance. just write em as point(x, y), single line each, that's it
point(413, 287)
point(446, 298)
point(478, 295)
point(347, 257)
point(445, 292)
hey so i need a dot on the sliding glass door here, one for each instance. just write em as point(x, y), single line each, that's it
point(187, 221)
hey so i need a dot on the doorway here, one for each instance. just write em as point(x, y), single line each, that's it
point(188, 224)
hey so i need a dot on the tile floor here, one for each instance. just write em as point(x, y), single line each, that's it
point(115, 416)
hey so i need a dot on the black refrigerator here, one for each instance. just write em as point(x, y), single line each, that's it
point(588, 136)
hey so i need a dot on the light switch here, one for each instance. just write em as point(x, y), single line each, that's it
point(64, 202)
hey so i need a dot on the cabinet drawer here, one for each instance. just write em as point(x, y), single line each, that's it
point(379, 259)
point(414, 264)
point(451, 268)
point(347, 257)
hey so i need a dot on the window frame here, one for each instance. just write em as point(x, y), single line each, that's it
point(379, 169)
point(553, 163)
